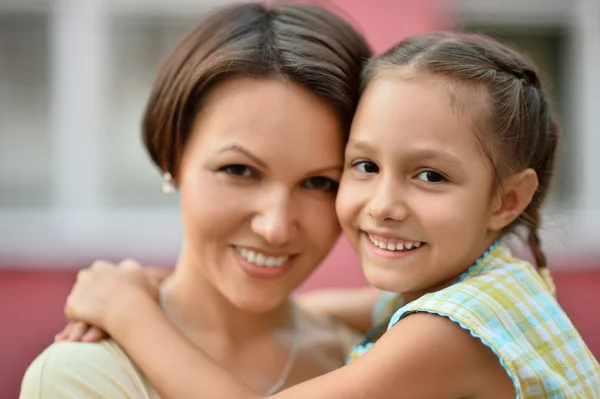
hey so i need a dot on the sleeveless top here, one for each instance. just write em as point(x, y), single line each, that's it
point(504, 302)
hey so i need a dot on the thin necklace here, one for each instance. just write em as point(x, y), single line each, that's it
point(291, 360)
point(294, 349)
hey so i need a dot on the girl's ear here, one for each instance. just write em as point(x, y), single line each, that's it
point(513, 198)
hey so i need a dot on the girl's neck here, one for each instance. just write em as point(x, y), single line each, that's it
point(195, 306)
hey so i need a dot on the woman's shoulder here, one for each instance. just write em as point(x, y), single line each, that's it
point(78, 369)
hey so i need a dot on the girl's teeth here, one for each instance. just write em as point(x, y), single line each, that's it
point(397, 247)
point(260, 259)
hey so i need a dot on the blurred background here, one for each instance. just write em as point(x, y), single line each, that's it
point(76, 184)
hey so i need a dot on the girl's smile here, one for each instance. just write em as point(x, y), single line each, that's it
point(410, 179)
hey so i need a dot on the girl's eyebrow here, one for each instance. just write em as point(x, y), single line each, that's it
point(426, 154)
point(441, 155)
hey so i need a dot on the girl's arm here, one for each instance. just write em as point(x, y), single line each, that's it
point(350, 306)
point(79, 331)
point(423, 356)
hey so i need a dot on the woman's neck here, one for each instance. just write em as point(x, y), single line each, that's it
point(196, 307)
point(255, 347)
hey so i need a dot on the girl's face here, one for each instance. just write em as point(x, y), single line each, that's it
point(416, 197)
point(257, 183)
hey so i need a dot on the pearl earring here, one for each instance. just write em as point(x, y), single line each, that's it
point(168, 188)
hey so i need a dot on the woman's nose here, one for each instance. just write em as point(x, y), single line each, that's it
point(276, 222)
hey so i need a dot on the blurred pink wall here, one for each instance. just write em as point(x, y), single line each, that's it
point(386, 22)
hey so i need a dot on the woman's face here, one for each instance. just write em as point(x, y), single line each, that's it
point(257, 183)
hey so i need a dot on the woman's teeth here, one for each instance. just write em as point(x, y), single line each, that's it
point(393, 244)
point(260, 259)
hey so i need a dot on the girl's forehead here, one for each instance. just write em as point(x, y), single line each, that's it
point(419, 116)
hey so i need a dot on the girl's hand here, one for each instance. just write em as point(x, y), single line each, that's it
point(80, 331)
point(104, 293)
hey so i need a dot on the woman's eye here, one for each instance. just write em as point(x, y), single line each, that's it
point(321, 183)
point(237, 170)
point(430, 176)
point(366, 167)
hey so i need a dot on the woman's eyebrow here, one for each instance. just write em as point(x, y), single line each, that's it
point(238, 148)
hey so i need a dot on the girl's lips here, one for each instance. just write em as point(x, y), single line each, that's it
point(391, 249)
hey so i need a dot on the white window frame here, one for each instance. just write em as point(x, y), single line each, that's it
point(78, 227)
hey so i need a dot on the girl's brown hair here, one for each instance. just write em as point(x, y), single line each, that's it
point(519, 129)
point(301, 43)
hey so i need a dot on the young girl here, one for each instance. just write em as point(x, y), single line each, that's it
point(452, 148)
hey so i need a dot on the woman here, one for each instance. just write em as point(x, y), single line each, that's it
point(248, 117)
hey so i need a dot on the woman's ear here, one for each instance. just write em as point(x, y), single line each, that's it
point(512, 199)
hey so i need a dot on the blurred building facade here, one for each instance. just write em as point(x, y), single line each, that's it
point(76, 183)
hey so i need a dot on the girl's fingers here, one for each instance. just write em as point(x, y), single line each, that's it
point(93, 334)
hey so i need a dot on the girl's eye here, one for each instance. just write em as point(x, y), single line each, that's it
point(321, 183)
point(366, 167)
point(430, 176)
point(237, 170)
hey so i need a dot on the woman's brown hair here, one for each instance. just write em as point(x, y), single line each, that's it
point(301, 43)
point(518, 129)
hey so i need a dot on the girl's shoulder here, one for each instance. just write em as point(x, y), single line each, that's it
point(504, 303)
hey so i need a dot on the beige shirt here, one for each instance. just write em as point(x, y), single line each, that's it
point(74, 370)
